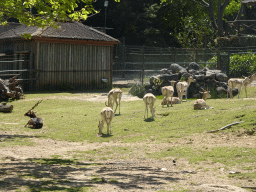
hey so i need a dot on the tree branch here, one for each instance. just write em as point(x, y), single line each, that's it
point(203, 3)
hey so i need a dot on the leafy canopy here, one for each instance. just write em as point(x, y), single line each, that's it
point(48, 11)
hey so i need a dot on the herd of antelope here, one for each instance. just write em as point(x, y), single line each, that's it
point(149, 99)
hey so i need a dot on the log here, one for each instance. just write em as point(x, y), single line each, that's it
point(225, 127)
point(10, 89)
point(6, 108)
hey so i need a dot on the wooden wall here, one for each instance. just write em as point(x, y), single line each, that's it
point(73, 66)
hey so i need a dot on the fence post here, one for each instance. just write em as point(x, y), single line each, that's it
point(143, 64)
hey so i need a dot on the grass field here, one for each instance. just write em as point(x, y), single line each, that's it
point(177, 132)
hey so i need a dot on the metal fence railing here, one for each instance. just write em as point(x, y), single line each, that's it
point(141, 62)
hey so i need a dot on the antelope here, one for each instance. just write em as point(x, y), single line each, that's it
point(35, 121)
point(201, 103)
point(107, 114)
point(252, 78)
point(239, 83)
point(167, 91)
point(183, 86)
point(149, 100)
point(172, 100)
point(113, 96)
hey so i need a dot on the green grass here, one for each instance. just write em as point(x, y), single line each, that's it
point(77, 120)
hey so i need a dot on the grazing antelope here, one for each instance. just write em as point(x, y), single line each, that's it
point(149, 100)
point(239, 83)
point(182, 87)
point(201, 103)
point(113, 96)
point(35, 121)
point(107, 114)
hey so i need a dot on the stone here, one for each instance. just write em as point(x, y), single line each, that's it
point(176, 68)
point(221, 77)
point(193, 65)
point(165, 71)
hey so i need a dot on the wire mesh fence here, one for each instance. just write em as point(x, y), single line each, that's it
point(138, 63)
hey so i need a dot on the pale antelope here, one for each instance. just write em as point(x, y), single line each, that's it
point(149, 100)
point(201, 103)
point(237, 83)
point(182, 87)
point(113, 96)
point(107, 114)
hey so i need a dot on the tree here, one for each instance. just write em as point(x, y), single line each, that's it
point(48, 12)
point(216, 10)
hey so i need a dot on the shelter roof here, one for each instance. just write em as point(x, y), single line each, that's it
point(249, 2)
point(66, 30)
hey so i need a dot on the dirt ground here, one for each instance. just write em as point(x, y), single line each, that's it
point(140, 174)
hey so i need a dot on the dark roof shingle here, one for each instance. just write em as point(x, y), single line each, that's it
point(65, 31)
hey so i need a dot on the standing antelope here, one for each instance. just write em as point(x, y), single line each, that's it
point(167, 91)
point(239, 83)
point(113, 96)
point(107, 115)
point(149, 100)
point(252, 78)
point(182, 87)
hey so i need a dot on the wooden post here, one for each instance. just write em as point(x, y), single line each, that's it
point(143, 64)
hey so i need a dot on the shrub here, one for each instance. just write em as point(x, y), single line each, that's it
point(239, 65)
point(242, 65)
point(138, 90)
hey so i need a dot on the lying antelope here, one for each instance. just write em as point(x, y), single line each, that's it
point(149, 100)
point(182, 87)
point(171, 100)
point(113, 96)
point(107, 114)
point(34, 121)
point(201, 103)
point(239, 83)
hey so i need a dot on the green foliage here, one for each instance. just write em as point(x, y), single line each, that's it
point(138, 90)
point(242, 65)
point(48, 12)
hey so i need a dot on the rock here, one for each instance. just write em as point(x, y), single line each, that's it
point(193, 65)
point(164, 78)
point(176, 68)
point(6, 108)
point(210, 75)
point(199, 77)
point(221, 92)
point(165, 71)
point(221, 77)
point(152, 79)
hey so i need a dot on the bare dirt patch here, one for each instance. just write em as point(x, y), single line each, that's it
point(51, 165)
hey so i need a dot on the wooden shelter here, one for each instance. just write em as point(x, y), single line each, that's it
point(74, 56)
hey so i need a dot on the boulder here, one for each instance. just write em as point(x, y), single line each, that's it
point(193, 65)
point(221, 92)
point(210, 75)
point(165, 71)
point(176, 68)
point(221, 77)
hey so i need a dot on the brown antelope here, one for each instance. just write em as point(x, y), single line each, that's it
point(182, 87)
point(201, 103)
point(107, 114)
point(239, 83)
point(172, 100)
point(113, 96)
point(34, 121)
point(149, 100)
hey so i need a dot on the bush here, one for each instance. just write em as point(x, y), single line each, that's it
point(239, 65)
point(138, 90)
point(242, 65)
